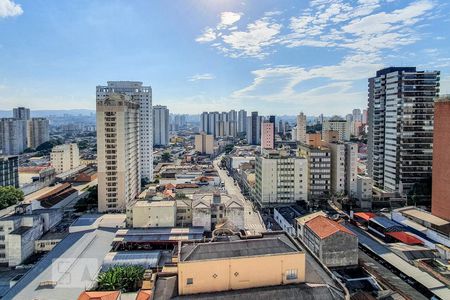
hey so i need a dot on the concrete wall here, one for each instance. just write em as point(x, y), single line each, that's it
point(339, 250)
point(239, 273)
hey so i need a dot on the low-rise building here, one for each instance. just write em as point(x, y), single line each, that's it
point(364, 191)
point(19, 231)
point(213, 209)
point(143, 214)
point(332, 243)
point(240, 264)
point(285, 217)
point(281, 179)
point(301, 221)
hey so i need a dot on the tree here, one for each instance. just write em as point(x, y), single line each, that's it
point(229, 148)
point(166, 157)
point(9, 195)
point(47, 146)
point(89, 202)
point(123, 278)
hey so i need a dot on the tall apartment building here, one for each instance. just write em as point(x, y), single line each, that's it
point(356, 113)
point(204, 122)
point(9, 171)
point(254, 129)
point(21, 113)
point(341, 126)
point(38, 132)
point(232, 115)
point(65, 157)
point(118, 145)
point(281, 179)
point(400, 138)
point(204, 143)
point(344, 168)
point(141, 95)
point(267, 135)
point(13, 138)
point(213, 120)
point(319, 170)
point(242, 121)
point(301, 128)
point(160, 125)
point(440, 203)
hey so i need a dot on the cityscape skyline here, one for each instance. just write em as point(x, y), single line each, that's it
point(234, 54)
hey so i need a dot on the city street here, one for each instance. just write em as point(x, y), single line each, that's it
point(253, 220)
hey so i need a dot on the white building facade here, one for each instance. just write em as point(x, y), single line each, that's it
point(141, 95)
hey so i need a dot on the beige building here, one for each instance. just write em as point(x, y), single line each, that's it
point(204, 143)
point(341, 126)
point(65, 157)
point(280, 179)
point(344, 167)
point(38, 132)
point(275, 259)
point(143, 214)
point(117, 152)
point(301, 128)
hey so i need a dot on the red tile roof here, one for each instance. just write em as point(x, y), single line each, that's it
point(324, 227)
point(107, 295)
point(405, 237)
point(186, 185)
point(365, 215)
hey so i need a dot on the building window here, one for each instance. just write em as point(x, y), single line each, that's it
point(291, 274)
point(189, 281)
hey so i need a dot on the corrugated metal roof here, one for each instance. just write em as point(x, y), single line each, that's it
point(405, 237)
point(385, 222)
point(146, 259)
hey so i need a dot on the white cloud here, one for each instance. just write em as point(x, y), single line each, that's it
point(228, 18)
point(355, 26)
point(279, 83)
point(260, 34)
point(208, 35)
point(204, 76)
point(9, 8)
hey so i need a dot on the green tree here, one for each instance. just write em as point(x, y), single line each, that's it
point(123, 278)
point(9, 195)
point(166, 157)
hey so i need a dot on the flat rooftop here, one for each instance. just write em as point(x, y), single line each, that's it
point(423, 215)
point(269, 244)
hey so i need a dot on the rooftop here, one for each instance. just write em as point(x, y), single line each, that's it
point(269, 244)
point(302, 220)
point(288, 213)
point(324, 227)
point(291, 291)
point(94, 295)
point(423, 215)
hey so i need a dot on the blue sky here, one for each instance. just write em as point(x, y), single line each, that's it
point(276, 57)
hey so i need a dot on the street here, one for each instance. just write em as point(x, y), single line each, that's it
point(253, 220)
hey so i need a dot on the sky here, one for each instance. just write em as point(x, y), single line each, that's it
point(275, 57)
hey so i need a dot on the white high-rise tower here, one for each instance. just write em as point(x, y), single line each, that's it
point(141, 95)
